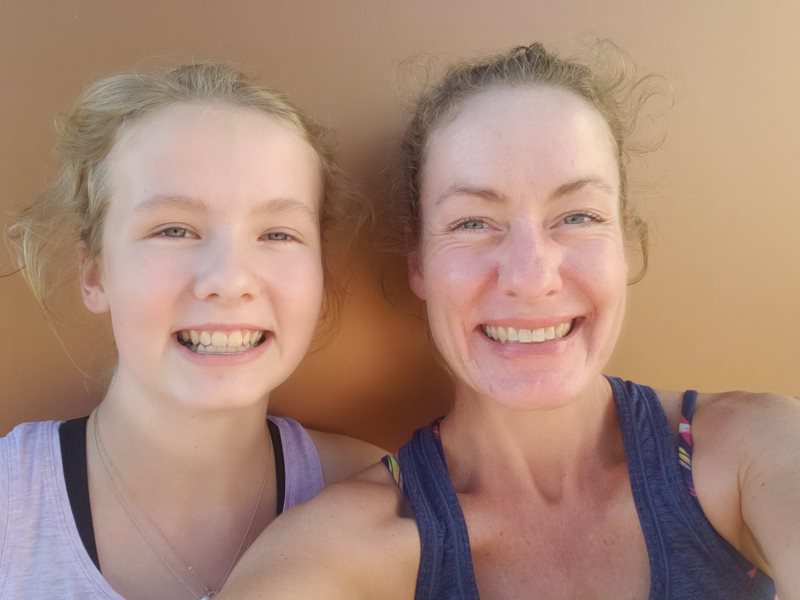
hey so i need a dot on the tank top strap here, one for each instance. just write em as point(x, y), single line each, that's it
point(302, 467)
point(445, 568)
point(685, 440)
point(393, 466)
point(688, 558)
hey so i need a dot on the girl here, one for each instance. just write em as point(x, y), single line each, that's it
point(198, 201)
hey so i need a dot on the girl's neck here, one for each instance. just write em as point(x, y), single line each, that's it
point(153, 442)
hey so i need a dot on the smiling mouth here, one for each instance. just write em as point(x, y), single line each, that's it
point(220, 342)
point(513, 335)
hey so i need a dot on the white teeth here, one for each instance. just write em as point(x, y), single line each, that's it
point(220, 342)
point(527, 336)
point(219, 339)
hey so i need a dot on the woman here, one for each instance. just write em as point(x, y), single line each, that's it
point(198, 201)
point(546, 479)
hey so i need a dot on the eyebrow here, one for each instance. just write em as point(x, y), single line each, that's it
point(285, 205)
point(168, 201)
point(197, 205)
point(494, 196)
point(574, 186)
point(469, 190)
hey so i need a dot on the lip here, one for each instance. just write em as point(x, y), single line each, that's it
point(223, 327)
point(539, 323)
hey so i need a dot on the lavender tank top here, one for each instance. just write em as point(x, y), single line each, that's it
point(41, 552)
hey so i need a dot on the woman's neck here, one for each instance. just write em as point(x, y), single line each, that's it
point(552, 452)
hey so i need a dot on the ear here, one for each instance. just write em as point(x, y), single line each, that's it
point(89, 274)
point(416, 281)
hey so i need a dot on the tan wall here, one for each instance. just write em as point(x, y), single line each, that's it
point(717, 310)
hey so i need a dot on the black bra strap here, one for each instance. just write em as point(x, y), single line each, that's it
point(72, 436)
point(280, 467)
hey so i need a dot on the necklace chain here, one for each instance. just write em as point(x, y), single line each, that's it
point(120, 490)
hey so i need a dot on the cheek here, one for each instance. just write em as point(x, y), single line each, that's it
point(297, 284)
point(455, 273)
point(602, 270)
point(139, 283)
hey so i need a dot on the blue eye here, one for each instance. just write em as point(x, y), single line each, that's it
point(279, 236)
point(175, 232)
point(581, 218)
point(469, 224)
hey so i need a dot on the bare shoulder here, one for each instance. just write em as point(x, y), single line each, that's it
point(746, 456)
point(342, 456)
point(749, 422)
point(721, 418)
point(355, 540)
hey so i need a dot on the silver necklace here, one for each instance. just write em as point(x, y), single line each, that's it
point(120, 492)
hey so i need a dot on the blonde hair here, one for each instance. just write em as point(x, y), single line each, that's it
point(73, 207)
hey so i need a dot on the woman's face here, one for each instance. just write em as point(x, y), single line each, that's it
point(521, 259)
point(210, 264)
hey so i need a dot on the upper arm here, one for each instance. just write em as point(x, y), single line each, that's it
point(294, 559)
point(747, 473)
point(770, 489)
point(342, 456)
point(345, 544)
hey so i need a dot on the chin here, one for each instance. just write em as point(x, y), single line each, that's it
point(220, 398)
point(544, 391)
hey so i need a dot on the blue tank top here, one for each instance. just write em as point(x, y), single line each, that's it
point(688, 558)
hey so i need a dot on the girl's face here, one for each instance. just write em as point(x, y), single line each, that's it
point(521, 258)
point(210, 264)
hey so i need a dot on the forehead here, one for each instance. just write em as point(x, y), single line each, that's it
point(521, 135)
point(213, 149)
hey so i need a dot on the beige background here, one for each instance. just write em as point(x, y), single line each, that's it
point(717, 310)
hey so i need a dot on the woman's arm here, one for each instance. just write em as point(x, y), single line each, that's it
point(747, 464)
point(348, 543)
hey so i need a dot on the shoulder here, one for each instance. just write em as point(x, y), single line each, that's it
point(740, 426)
point(746, 455)
point(342, 456)
point(353, 540)
point(36, 437)
point(27, 454)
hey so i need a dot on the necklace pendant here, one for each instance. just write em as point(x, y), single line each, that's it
point(208, 596)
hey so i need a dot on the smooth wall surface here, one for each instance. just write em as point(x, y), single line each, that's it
point(717, 310)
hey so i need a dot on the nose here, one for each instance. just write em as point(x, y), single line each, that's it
point(529, 265)
point(224, 272)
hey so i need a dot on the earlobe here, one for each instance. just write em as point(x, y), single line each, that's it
point(92, 291)
point(415, 278)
